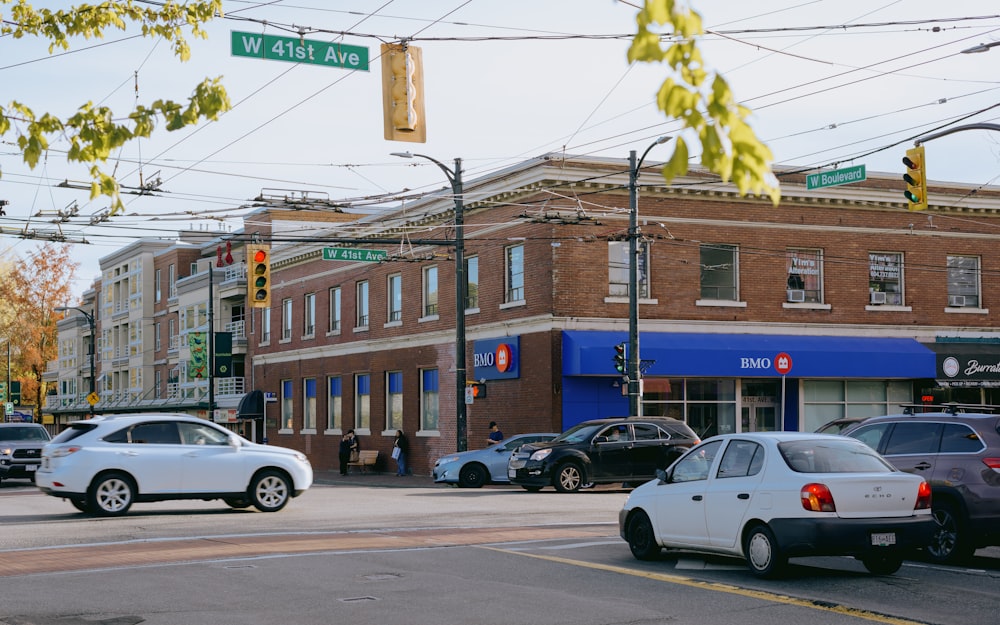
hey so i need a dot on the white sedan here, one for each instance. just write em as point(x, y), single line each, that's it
point(770, 496)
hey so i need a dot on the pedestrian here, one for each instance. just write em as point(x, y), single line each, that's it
point(495, 434)
point(348, 450)
point(400, 450)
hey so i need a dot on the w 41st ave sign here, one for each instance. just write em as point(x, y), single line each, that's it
point(296, 50)
point(350, 253)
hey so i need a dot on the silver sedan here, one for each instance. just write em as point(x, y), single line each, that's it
point(473, 469)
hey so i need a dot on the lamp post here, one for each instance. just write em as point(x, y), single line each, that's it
point(93, 352)
point(634, 168)
point(455, 179)
point(983, 47)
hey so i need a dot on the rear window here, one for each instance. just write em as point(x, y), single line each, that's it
point(959, 438)
point(73, 431)
point(832, 455)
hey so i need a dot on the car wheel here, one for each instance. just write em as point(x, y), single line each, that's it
point(531, 489)
point(882, 564)
point(641, 541)
point(762, 553)
point(569, 477)
point(111, 494)
point(237, 503)
point(270, 491)
point(472, 476)
point(81, 505)
point(950, 542)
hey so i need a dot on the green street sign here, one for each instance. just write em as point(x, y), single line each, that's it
point(364, 256)
point(296, 50)
point(835, 177)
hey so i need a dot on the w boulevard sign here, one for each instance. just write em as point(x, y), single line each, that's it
point(835, 177)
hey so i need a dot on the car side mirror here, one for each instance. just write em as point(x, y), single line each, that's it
point(662, 476)
point(234, 442)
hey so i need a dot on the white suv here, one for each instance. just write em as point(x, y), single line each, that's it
point(105, 464)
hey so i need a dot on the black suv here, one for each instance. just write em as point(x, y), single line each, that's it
point(958, 453)
point(601, 451)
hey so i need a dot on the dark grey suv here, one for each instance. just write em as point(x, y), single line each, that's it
point(958, 453)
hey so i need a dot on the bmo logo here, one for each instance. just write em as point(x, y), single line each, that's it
point(782, 363)
point(495, 359)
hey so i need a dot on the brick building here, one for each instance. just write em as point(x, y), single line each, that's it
point(837, 302)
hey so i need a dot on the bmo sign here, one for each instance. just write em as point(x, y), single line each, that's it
point(496, 359)
point(782, 363)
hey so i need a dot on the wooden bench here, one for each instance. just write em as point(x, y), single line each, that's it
point(366, 459)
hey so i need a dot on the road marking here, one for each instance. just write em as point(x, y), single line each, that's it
point(719, 587)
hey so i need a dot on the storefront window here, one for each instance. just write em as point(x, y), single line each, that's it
point(826, 400)
point(707, 406)
point(885, 279)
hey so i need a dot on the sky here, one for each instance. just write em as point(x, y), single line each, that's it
point(831, 84)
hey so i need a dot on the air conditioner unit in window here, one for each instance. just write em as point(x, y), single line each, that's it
point(956, 301)
point(796, 295)
point(878, 297)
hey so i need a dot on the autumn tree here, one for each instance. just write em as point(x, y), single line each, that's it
point(701, 100)
point(93, 132)
point(29, 292)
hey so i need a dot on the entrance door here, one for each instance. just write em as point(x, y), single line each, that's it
point(760, 418)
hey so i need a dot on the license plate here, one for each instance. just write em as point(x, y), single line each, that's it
point(30, 467)
point(511, 473)
point(883, 540)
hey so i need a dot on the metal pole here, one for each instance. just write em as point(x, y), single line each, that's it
point(211, 344)
point(634, 401)
point(93, 356)
point(8, 375)
point(461, 416)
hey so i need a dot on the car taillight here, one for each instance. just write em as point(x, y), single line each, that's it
point(993, 463)
point(923, 497)
point(817, 498)
point(59, 452)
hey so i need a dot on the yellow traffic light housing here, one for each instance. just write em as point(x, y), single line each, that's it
point(259, 280)
point(403, 93)
point(916, 178)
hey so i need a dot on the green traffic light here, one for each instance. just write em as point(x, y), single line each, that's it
point(911, 197)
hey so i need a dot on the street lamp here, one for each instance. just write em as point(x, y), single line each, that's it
point(634, 168)
point(983, 47)
point(455, 179)
point(93, 352)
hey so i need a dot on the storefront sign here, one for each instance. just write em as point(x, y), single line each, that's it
point(496, 359)
point(968, 365)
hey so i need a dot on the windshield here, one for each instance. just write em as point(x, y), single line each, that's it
point(23, 434)
point(577, 434)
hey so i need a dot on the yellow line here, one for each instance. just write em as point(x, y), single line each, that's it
point(719, 587)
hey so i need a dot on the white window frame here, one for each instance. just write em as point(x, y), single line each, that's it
point(514, 274)
point(429, 292)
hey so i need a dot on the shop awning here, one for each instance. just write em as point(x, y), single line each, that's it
point(751, 355)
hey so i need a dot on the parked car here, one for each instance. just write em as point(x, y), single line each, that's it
point(473, 469)
point(958, 453)
point(601, 451)
point(836, 426)
point(21, 449)
point(105, 464)
point(769, 496)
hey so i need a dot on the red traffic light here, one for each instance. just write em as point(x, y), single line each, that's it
point(259, 256)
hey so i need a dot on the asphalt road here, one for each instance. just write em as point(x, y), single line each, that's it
point(370, 552)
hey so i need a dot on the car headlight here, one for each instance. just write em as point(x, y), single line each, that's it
point(446, 460)
point(7, 451)
point(540, 454)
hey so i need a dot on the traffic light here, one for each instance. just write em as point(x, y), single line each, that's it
point(621, 362)
point(259, 280)
point(403, 93)
point(3, 391)
point(916, 178)
point(478, 390)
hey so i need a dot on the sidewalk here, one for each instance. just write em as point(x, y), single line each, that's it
point(387, 479)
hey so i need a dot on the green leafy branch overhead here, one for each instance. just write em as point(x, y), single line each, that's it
point(701, 101)
point(93, 132)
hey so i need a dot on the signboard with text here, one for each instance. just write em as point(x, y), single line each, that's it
point(298, 50)
point(835, 177)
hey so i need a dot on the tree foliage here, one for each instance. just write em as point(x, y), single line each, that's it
point(29, 291)
point(702, 101)
point(93, 132)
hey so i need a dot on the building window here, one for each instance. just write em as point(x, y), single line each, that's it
point(429, 399)
point(171, 282)
point(394, 400)
point(472, 282)
point(719, 272)
point(963, 282)
point(309, 404)
point(362, 401)
point(430, 291)
point(805, 275)
point(618, 269)
point(157, 286)
point(156, 338)
point(286, 319)
point(265, 325)
point(826, 400)
point(309, 315)
point(362, 304)
point(395, 298)
point(286, 404)
point(334, 404)
point(158, 382)
point(514, 275)
point(885, 278)
point(335, 309)
point(172, 335)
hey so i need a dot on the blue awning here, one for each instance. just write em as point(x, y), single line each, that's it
point(752, 355)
